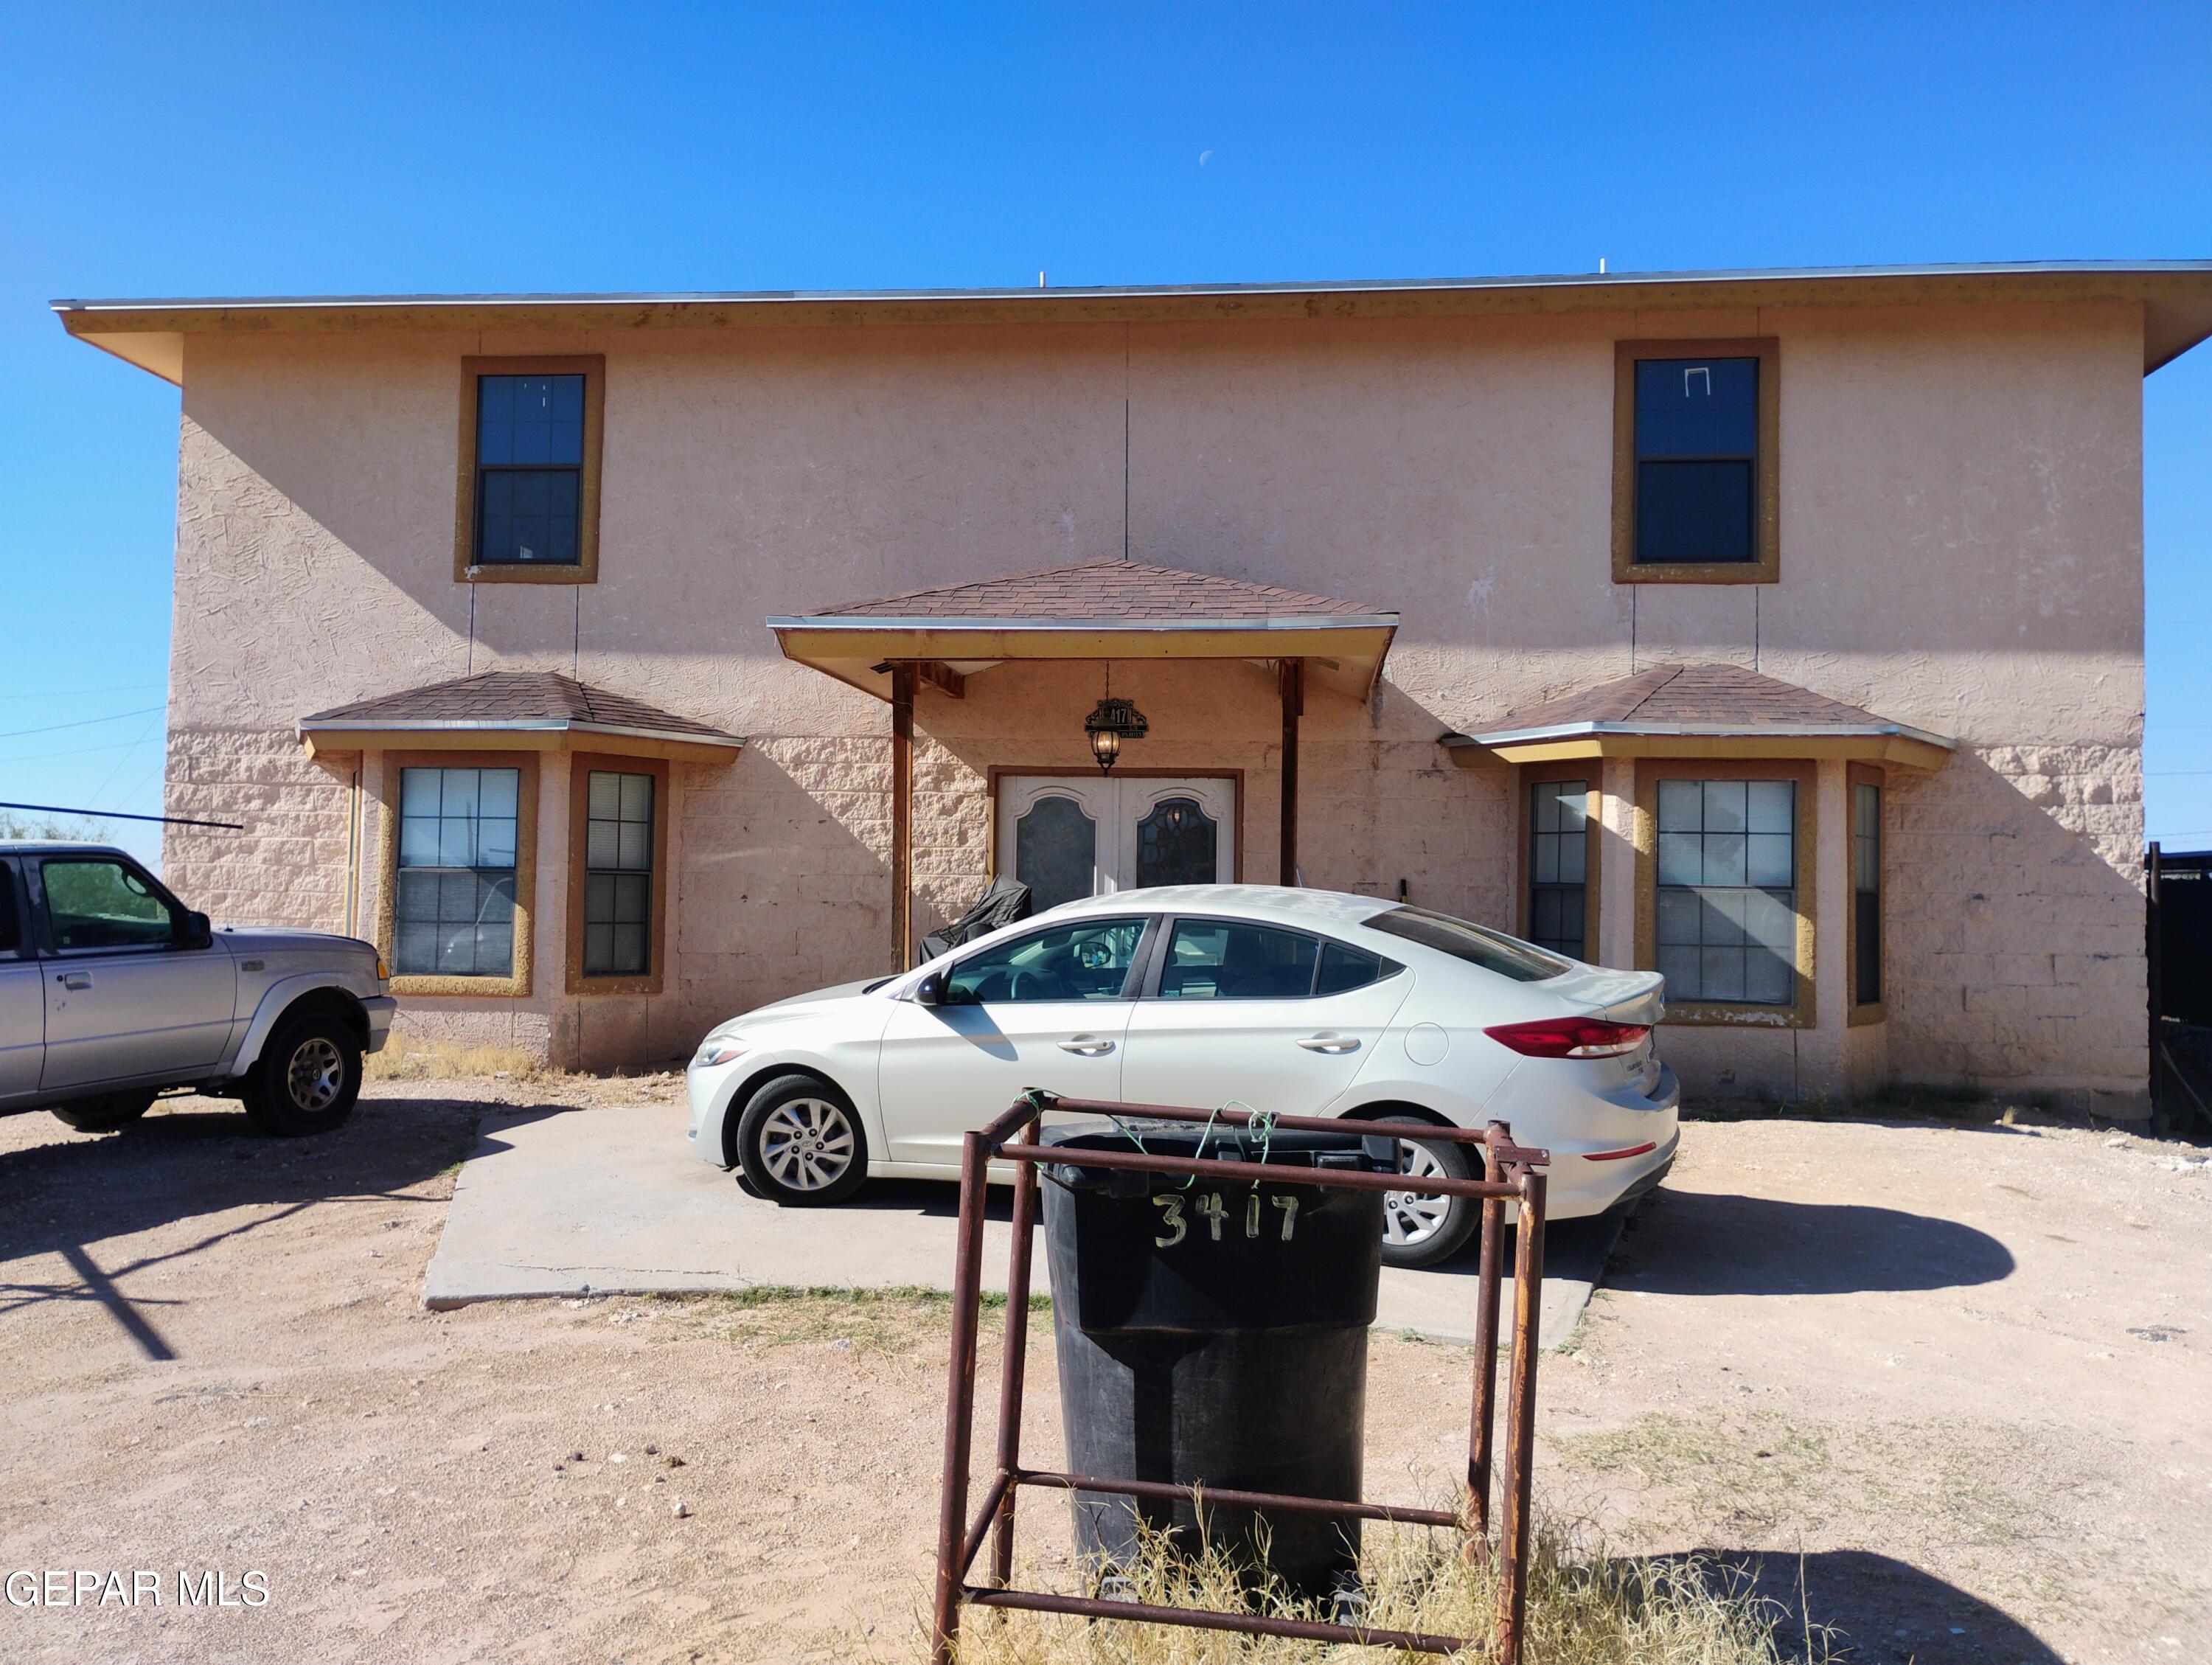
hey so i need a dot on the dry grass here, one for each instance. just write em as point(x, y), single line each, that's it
point(875, 1319)
point(406, 1060)
point(1585, 1607)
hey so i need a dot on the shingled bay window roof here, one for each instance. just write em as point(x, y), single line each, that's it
point(1700, 711)
point(511, 710)
point(1105, 609)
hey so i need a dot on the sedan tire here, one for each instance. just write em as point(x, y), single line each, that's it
point(308, 1077)
point(106, 1114)
point(1418, 1229)
point(800, 1143)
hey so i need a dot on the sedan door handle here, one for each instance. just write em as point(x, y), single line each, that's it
point(1330, 1043)
point(74, 979)
point(1090, 1046)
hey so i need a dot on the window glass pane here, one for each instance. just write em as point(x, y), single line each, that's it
point(1720, 920)
point(1680, 862)
point(1724, 857)
point(1176, 844)
point(1722, 971)
point(419, 791)
point(495, 843)
point(1084, 962)
point(634, 847)
point(104, 904)
point(599, 844)
point(1574, 848)
point(1697, 407)
point(628, 950)
point(1725, 805)
point(636, 797)
point(1767, 977)
point(1677, 918)
point(1694, 512)
point(1493, 950)
point(1773, 806)
point(1212, 960)
point(1681, 806)
point(1767, 860)
point(1547, 857)
point(602, 796)
point(418, 839)
point(1055, 852)
point(1770, 919)
point(1343, 970)
point(457, 843)
point(495, 950)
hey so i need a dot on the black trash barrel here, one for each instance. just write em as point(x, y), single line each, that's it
point(1215, 1333)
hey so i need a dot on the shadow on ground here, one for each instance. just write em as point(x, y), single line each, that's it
point(68, 1197)
point(1697, 1242)
point(1875, 1609)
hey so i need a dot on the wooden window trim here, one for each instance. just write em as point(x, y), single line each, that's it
point(516, 986)
point(1766, 526)
point(593, 366)
point(581, 766)
point(1805, 855)
point(1234, 776)
point(1872, 1011)
point(1532, 774)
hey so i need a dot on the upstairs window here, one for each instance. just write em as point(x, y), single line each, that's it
point(529, 470)
point(1695, 478)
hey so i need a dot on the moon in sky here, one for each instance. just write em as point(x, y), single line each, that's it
point(1204, 156)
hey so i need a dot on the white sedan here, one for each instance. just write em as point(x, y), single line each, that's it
point(1291, 1001)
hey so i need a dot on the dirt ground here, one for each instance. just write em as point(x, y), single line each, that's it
point(1943, 1387)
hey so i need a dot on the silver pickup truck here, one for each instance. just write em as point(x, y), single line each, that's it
point(112, 992)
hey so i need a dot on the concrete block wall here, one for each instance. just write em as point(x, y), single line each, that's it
point(2016, 934)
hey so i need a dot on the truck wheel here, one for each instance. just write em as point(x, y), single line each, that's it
point(800, 1143)
point(308, 1079)
point(104, 1115)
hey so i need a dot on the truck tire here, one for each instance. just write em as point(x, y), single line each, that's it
point(104, 1115)
point(308, 1077)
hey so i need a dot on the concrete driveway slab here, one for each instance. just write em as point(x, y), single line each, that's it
point(610, 1201)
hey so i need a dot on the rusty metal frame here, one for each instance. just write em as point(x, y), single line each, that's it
point(1510, 1173)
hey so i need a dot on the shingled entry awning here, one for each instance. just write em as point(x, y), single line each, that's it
point(515, 711)
point(1700, 711)
point(1092, 610)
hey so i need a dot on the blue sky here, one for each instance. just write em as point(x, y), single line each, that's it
point(238, 150)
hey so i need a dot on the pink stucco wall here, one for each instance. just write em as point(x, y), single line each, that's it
point(1961, 550)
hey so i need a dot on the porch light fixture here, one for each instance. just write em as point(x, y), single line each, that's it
point(1109, 724)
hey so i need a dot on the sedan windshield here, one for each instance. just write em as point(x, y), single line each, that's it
point(1493, 950)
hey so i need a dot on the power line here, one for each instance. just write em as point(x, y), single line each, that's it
point(120, 815)
point(81, 722)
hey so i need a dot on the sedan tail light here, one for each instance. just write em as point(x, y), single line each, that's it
point(1570, 1037)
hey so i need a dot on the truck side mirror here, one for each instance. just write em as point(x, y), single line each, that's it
point(199, 931)
point(930, 990)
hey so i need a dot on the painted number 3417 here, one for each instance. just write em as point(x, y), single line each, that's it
point(1209, 1207)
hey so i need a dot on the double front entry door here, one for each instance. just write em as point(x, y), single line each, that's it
point(1067, 836)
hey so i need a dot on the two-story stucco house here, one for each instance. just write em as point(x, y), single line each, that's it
point(621, 662)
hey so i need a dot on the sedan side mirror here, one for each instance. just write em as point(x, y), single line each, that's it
point(199, 931)
point(930, 990)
